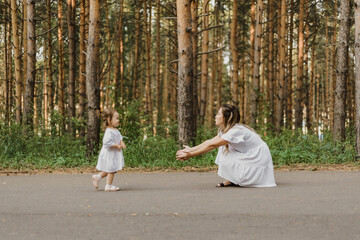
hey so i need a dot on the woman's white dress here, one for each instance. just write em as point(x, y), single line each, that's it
point(247, 162)
point(110, 159)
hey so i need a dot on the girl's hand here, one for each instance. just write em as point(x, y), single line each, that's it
point(122, 145)
point(118, 147)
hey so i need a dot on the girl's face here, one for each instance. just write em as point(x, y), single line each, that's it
point(114, 121)
point(219, 118)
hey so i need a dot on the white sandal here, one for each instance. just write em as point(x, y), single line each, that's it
point(95, 180)
point(111, 188)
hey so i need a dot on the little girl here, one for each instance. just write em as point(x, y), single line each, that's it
point(111, 158)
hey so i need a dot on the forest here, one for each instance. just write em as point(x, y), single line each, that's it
point(291, 66)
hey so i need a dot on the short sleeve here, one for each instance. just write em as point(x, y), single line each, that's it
point(108, 139)
point(234, 135)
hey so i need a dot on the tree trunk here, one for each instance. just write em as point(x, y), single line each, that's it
point(252, 42)
point(194, 22)
point(136, 83)
point(326, 82)
point(311, 90)
point(166, 86)
point(18, 80)
point(49, 58)
point(306, 78)
point(211, 115)
point(256, 72)
point(72, 64)
point(61, 84)
point(158, 80)
point(270, 80)
point(92, 80)
point(45, 88)
point(108, 36)
point(281, 82)
point(7, 74)
point(289, 95)
point(204, 62)
point(118, 72)
point(299, 78)
point(82, 67)
point(342, 71)
point(148, 98)
point(31, 68)
point(185, 73)
point(24, 56)
point(235, 61)
point(333, 67)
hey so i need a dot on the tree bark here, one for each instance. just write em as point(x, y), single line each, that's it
point(326, 82)
point(235, 61)
point(108, 37)
point(270, 79)
point(118, 72)
point(333, 67)
point(61, 83)
point(82, 67)
point(31, 68)
point(300, 67)
point(49, 49)
point(136, 83)
point(148, 98)
point(92, 80)
point(7, 72)
point(256, 72)
point(289, 94)
point(342, 71)
point(312, 88)
point(24, 55)
point(17, 56)
point(158, 50)
point(185, 73)
point(281, 82)
point(72, 64)
point(195, 37)
point(204, 62)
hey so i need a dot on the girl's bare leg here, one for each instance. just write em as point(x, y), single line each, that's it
point(110, 178)
point(103, 174)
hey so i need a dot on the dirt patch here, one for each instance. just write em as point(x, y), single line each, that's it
point(296, 167)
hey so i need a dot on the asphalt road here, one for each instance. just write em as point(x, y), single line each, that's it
point(304, 205)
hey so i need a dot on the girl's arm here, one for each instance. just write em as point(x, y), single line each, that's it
point(204, 147)
point(122, 144)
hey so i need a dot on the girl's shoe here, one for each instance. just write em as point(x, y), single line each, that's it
point(96, 179)
point(111, 188)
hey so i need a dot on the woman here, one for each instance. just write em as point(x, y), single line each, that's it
point(243, 158)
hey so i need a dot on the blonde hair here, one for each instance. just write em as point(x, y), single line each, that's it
point(107, 115)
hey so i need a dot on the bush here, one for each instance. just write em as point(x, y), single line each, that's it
point(18, 152)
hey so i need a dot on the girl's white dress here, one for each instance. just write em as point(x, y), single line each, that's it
point(247, 162)
point(110, 159)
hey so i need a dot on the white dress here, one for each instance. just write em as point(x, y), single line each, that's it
point(247, 162)
point(110, 159)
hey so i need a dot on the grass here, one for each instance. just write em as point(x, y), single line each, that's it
point(44, 152)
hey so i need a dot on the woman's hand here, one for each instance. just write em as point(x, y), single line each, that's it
point(183, 154)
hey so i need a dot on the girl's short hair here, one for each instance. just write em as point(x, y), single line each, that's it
point(107, 114)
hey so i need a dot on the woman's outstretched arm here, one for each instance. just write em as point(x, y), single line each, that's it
point(202, 148)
